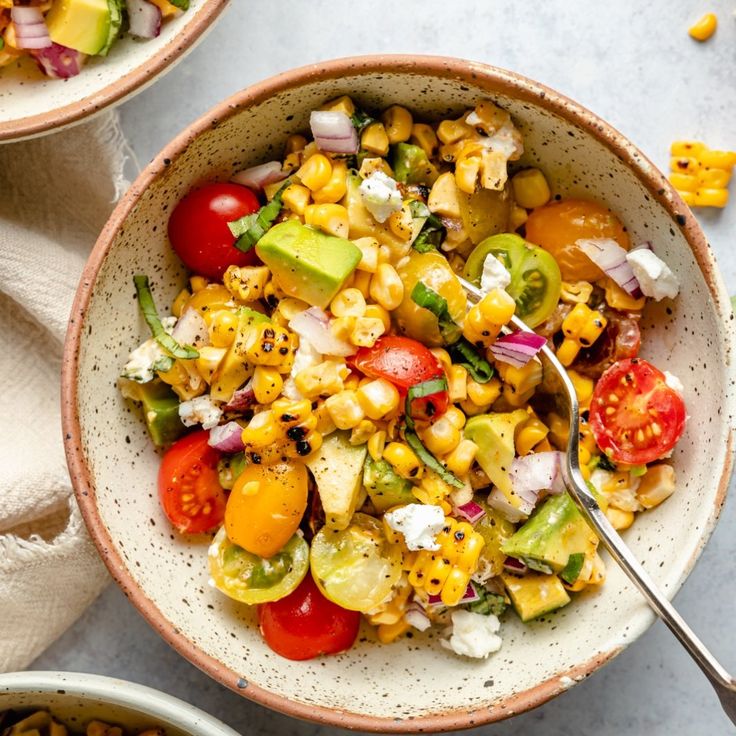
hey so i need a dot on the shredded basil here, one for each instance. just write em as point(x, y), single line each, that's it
point(429, 299)
point(571, 571)
point(2, 43)
point(181, 4)
point(433, 231)
point(489, 603)
point(419, 391)
point(412, 439)
point(464, 354)
point(251, 228)
point(605, 463)
point(148, 310)
point(361, 120)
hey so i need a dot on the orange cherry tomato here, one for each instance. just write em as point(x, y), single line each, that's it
point(558, 225)
point(265, 507)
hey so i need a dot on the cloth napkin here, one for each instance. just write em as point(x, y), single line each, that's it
point(56, 193)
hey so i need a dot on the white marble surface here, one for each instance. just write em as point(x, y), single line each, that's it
point(633, 64)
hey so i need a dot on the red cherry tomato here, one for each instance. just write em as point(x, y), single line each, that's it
point(304, 624)
point(188, 485)
point(634, 415)
point(405, 362)
point(198, 228)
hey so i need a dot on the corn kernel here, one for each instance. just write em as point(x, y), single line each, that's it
point(582, 327)
point(361, 280)
point(345, 409)
point(711, 198)
point(209, 359)
point(331, 218)
point(197, 283)
point(460, 460)
point(711, 178)
point(369, 249)
point(362, 432)
point(576, 292)
point(657, 485)
point(457, 380)
point(315, 172)
point(441, 437)
point(455, 417)
point(378, 398)
point(376, 443)
point(387, 288)
point(296, 198)
point(295, 143)
point(617, 298)
point(483, 394)
point(467, 171)
point(376, 311)
point(583, 388)
point(342, 327)
point(223, 328)
point(443, 357)
point(711, 159)
point(335, 188)
point(366, 331)
point(517, 218)
point(423, 136)
point(619, 519)
point(684, 182)
point(685, 165)
point(340, 104)
point(687, 148)
point(444, 197)
point(324, 379)
point(324, 425)
point(529, 434)
point(177, 306)
point(398, 123)
point(374, 139)
point(531, 188)
point(704, 28)
point(267, 384)
point(403, 460)
point(246, 283)
point(388, 633)
point(371, 165)
point(401, 223)
point(348, 303)
point(451, 131)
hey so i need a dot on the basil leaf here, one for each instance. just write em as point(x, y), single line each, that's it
point(148, 310)
point(412, 439)
point(361, 120)
point(429, 299)
point(571, 571)
point(605, 463)
point(433, 231)
point(419, 391)
point(181, 4)
point(464, 354)
point(251, 228)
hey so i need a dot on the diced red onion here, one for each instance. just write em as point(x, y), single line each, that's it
point(30, 28)
point(540, 471)
point(646, 245)
point(144, 17)
point(242, 399)
point(191, 329)
point(59, 62)
point(469, 596)
point(314, 325)
point(498, 501)
point(518, 348)
point(333, 131)
point(610, 257)
point(416, 617)
point(471, 511)
point(257, 177)
point(516, 566)
point(226, 437)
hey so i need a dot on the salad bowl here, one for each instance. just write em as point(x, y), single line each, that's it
point(411, 685)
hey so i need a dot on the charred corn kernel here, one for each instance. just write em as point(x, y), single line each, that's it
point(711, 178)
point(452, 131)
point(295, 143)
point(340, 104)
point(324, 425)
point(403, 460)
point(423, 136)
point(582, 327)
point(223, 327)
point(374, 139)
point(208, 361)
point(262, 430)
point(529, 434)
point(687, 148)
point(372, 164)
point(296, 198)
point(617, 298)
point(455, 417)
point(444, 197)
point(376, 311)
point(376, 443)
point(619, 519)
point(330, 218)
point(457, 383)
point(293, 413)
point(443, 356)
point(576, 292)
point(483, 394)
point(657, 485)
point(701, 175)
point(432, 490)
point(366, 331)
point(335, 188)
point(369, 249)
point(345, 409)
point(246, 283)
point(324, 379)
point(401, 223)
point(398, 122)
point(387, 288)
point(378, 398)
point(269, 190)
point(711, 198)
point(348, 303)
point(361, 280)
point(441, 437)
point(484, 320)
point(362, 432)
point(531, 188)
point(342, 327)
point(271, 345)
point(519, 383)
point(460, 460)
point(559, 429)
point(517, 217)
point(315, 172)
point(197, 283)
point(704, 28)
point(684, 182)
point(272, 293)
point(685, 165)
point(267, 384)
point(388, 633)
point(177, 306)
point(467, 171)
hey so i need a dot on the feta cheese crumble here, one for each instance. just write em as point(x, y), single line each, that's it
point(200, 410)
point(653, 274)
point(673, 382)
point(381, 196)
point(419, 523)
point(495, 275)
point(473, 634)
point(141, 362)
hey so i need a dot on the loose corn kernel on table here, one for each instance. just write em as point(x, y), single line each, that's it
point(638, 68)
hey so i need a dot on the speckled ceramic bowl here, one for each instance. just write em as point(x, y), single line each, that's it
point(31, 104)
point(412, 685)
point(75, 699)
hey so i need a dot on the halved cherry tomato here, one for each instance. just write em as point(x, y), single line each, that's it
point(305, 624)
point(406, 363)
point(634, 415)
point(189, 487)
point(198, 228)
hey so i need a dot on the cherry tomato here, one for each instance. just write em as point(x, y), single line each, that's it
point(189, 487)
point(405, 362)
point(634, 415)
point(266, 506)
point(198, 228)
point(305, 624)
point(558, 225)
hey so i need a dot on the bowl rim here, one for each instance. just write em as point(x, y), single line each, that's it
point(115, 691)
point(496, 81)
point(146, 73)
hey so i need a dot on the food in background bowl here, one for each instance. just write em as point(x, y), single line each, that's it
point(371, 428)
point(43, 723)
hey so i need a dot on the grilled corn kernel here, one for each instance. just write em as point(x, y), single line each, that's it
point(295, 143)
point(342, 327)
point(617, 298)
point(374, 139)
point(366, 331)
point(529, 434)
point(401, 223)
point(177, 306)
point(582, 327)
point(371, 164)
point(246, 283)
point(388, 633)
point(576, 292)
point(483, 394)
point(398, 123)
point(197, 283)
point(711, 159)
point(467, 170)
point(269, 344)
point(361, 280)
point(369, 249)
point(324, 379)
point(403, 460)
point(296, 198)
point(375, 311)
point(519, 383)
point(451, 131)
point(685, 165)
point(460, 460)
point(267, 384)
point(704, 28)
point(441, 437)
point(345, 409)
point(208, 361)
point(340, 104)
point(262, 430)
point(378, 398)
point(331, 218)
point(444, 197)
point(376, 443)
point(484, 320)
point(517, 218)
point(712, 178)
point(387, 288)
point(687, 148)
point(619, 519)
point(423, 136)
point(348, 303)
point(443, 356)
point(531, 188)
point(272, 293)
point(457, 383)
point(335, 188)
point(289, 307)
point(324, 425)
point(223, 327)
point(362, 432)
point(315, 172)
point(657, 485)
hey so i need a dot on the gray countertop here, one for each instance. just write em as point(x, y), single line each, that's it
point(634, 65)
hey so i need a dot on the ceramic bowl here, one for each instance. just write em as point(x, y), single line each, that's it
point(414, 684)
point(31, 104)
point(75, 699)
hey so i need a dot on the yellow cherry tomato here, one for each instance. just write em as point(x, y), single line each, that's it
point(265, 507)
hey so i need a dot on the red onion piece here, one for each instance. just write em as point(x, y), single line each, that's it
point(469, 596)
point(416, 617)
point(516, 566)
point(257, 177)
point(144, 17)
point(314, 326)
point(333, 131)
point(30, 28)
point(610, 257)
point(191, 329)
point(59, 62)
point(498, 501)
point(242, 399)
point(471, 511)
point(518, 348)
point(226, 437)
point(541, 471)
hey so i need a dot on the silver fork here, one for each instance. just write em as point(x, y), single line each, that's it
point(723, 683)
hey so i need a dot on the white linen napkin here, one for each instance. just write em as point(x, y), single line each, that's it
point(56, 193)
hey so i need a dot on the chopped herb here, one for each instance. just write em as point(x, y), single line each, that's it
point(571, 571)
point(148, 310)
point(605, 463)
point(489, 603)
point(361, 120)
point(2, 43)
point(429, 299)
point(412, 439)
point(251, 228)
point(433, 231)
point(181, 4)
point(419, 391)
point(464, 354)
point(164, 364)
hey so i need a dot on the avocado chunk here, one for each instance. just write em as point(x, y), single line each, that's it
point(160, 410)
point(494, 435)
point(555, 533)
point(307, 263)
point(82, 25)
point(411, 165)
point(116, 21)
point(385, 487)
point(337, 468)
point(496, 530)
point(535, 594)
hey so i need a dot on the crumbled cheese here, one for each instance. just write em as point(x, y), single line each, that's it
point(615, 490)
point(419, 523)
point(673, 382)
point(473, 634)
point(306, 356)
point(200, 410)
point(140, 365)
point(381, 196)
point(494, 276)
point(653, 274)
point(168, 323)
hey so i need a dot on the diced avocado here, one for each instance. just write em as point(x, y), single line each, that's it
point(338, 471)
point(554, 533)
point(411, 165)
point(489, 603)
point(494, 435)
point(385, 487)
point(229, 468)
point(535, 594)
point(83, 25)
point(495, 530)
point(307, 263)
point(116, 21)
point(161, 412)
